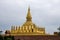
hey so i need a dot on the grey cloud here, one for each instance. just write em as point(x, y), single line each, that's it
point(44, 12)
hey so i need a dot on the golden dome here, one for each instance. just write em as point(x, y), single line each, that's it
point(28, 27)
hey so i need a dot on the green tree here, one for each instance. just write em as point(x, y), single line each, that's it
point(1, 37)
point(59, 31)
point(8, 38)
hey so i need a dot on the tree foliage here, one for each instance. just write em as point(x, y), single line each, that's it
point(1, 37)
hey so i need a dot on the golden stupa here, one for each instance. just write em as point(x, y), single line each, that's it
point(28, 28)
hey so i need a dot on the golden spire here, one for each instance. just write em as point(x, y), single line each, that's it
point(28, 15)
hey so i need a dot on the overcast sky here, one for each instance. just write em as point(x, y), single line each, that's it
point(45, 13)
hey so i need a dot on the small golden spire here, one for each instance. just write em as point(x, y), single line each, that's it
point(28, 15)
